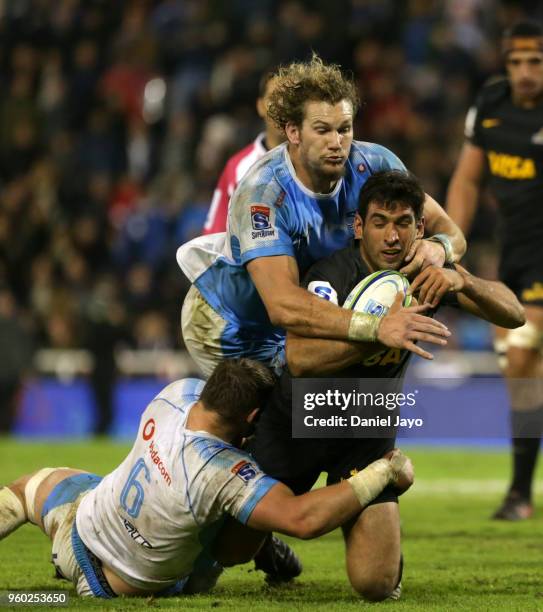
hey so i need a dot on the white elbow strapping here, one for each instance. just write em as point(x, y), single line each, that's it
point(368, 483)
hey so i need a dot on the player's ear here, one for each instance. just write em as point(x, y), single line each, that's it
point(420, 228)
point(253, 415)
point(293, 133)
point(358, 225)
point(261, 108)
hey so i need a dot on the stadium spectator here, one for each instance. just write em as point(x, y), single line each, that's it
point(503, 132)
point(215, 504)
point(16, 349)
point(238, 165)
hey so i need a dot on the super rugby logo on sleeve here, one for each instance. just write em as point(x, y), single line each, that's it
point(323, 290)
point(262, 218)
point(244, 470)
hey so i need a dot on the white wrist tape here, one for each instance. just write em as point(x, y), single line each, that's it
point(12, 512)
point(368, 483)
point(445, 242)
point(397, 463)
point(363, 327)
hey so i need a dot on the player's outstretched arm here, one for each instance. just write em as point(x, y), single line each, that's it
point(320, 511)
point(298, 311)
point(448, 244)
point(401, 328)
point(464, 187)
point(490, 300)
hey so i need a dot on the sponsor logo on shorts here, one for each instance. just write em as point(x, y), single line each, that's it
point(135, 534)
point(148, 429)
point(244, 470)
point(155, 456)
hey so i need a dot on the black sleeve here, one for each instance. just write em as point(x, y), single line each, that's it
point(491, 94)
point(329, 278)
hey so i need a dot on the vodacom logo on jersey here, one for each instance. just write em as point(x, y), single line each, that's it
point(148, 429)
point(147, 433)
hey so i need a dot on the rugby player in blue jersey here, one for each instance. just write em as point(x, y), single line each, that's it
point(297, 205)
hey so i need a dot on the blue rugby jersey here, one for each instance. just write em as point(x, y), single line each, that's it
point(273, 213)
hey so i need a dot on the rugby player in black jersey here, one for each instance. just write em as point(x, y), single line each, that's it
point(504, 152)
point(388, 221)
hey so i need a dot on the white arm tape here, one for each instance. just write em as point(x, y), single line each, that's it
point(368, 483)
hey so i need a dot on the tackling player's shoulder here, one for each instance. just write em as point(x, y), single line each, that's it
point(181, 392)
point(261, 183)
point(376, 157)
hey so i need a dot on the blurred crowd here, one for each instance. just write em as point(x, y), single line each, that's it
point(117, 117)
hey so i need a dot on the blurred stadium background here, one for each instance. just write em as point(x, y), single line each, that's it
point(115, 122)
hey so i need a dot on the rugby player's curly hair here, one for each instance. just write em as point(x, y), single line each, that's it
point(312, 81)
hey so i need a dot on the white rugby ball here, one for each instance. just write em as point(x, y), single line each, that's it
point(376, 293)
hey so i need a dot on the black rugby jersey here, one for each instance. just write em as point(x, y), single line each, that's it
point(512, 139)
point(333, 278)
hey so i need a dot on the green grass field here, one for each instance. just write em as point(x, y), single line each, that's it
point(456, 559)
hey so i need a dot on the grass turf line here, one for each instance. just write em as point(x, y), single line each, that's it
point(456, 559)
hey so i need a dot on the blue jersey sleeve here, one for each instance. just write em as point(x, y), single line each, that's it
point(226, 479)
point(257, 220)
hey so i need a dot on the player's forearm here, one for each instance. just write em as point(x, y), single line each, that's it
point(495, 301)
point(304, 314)
point(438, 222)
point(318, 357)
point(462, 200)
point(321, 511)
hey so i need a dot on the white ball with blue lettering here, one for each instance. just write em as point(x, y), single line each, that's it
point(376, 293)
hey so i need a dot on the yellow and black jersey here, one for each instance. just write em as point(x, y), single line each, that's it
point(512, 139)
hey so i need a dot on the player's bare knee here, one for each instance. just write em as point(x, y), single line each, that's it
point(373, 587)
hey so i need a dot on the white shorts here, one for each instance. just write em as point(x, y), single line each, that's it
point(202, 329)
point(58, 514)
